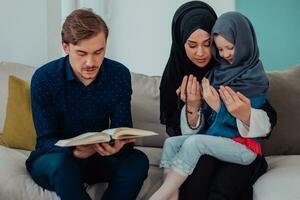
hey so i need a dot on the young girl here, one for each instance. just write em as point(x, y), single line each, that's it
point(234, 46)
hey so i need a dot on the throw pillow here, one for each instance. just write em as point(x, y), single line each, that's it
point(19, 131)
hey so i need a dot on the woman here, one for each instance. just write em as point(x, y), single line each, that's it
point(191, 54)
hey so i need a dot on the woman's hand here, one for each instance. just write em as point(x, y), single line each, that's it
point(237, 104)
point(84, 151)
point(105, 149)
point(210, 95)
point(190, 93)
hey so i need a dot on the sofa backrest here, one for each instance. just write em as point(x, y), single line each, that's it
point(145, 100)
point(284, 95)
point(145, 108)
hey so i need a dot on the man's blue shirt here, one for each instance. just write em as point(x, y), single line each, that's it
point(63, 107)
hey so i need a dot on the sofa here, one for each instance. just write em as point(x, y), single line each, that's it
point(282, 149)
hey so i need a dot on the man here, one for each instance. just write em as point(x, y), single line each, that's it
point(84, 92)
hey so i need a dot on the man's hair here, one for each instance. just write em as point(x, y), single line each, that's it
point(82, 24)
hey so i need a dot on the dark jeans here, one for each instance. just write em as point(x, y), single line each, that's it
point(65, 174)
point(213, 179)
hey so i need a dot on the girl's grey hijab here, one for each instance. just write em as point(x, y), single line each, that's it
point(246, 73)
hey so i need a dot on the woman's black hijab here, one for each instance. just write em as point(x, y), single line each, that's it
point(188, 18)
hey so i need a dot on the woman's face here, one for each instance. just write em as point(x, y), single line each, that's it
point(197, 48)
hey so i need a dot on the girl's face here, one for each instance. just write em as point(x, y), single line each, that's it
point(225, 48)
point(197, 48)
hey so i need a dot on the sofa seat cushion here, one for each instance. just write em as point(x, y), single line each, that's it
point(281, 181)
point(14, 177)
point(153, 154)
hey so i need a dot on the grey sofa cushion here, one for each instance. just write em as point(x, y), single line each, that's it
point(145, 108)
point(284, 95)
point(282, 180)
point(14, 176)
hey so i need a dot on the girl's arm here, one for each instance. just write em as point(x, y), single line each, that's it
point(251, 122)
point(259, 124)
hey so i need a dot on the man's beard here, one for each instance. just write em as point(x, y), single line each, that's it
point(87, 78)
point(88, 68)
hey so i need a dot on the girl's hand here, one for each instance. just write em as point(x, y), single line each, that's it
point(237, 104)
point(210, 95)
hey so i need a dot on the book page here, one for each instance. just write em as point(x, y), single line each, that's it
point(110, 131)
point(105, 136)
point(127, 133)
point(86, 138)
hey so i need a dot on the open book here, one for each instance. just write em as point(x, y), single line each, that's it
point(108, 135)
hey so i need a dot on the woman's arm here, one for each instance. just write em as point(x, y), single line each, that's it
point(272, 114)
point(186, 128)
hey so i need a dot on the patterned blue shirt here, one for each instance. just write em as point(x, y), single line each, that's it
point(63, 107)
